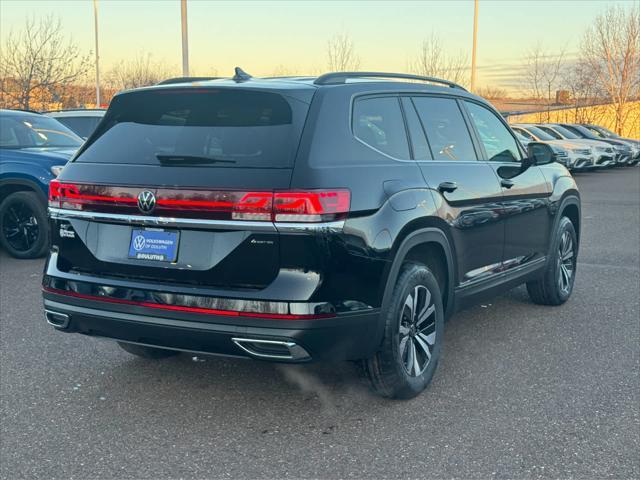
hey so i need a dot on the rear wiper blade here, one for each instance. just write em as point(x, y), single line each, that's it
point(180, 159)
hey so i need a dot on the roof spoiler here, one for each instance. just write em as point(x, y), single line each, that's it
point(171, 81)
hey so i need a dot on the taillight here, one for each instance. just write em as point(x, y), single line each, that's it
point(59, 192)
point(311, 206)
point(282, 206)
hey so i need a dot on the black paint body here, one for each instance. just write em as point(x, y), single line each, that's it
point(480, 239)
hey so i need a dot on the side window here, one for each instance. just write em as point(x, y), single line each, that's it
point(551, 132)
point(378, 123)
point(446, 131)
point(418, 139)
point(496, 138)
point(524, 133)
point(77, 124)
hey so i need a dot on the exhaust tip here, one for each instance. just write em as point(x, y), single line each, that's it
point(272, 349)
point(57, 319)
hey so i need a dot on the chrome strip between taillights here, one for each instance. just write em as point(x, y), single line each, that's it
point(283, 227)
point(63, 214)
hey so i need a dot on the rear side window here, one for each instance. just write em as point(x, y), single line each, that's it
point(419, 142)
point(498, 142)
point(83, 126)
point(378, 123)
point(205, 127)
point(446, 131)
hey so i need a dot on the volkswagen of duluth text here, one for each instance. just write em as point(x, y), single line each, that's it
point(152, 244)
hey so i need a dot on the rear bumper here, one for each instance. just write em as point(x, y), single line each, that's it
point(344, 337)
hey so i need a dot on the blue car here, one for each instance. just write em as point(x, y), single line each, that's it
point(33, 150)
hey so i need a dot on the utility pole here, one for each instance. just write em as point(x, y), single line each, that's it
point(95, 25)
point(185, 39)
point(475, 41)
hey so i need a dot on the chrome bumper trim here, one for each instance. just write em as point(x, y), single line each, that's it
point(283, 227)
point(63, 214)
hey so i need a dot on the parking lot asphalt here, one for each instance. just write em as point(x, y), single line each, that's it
point(522, 391)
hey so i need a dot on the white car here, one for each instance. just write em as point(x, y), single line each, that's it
point(572, 155)
point(81, 122)
point(605, 154)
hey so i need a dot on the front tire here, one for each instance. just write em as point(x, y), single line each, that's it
point(412, 344)
point(149, 353)
point(24, 232)
point(556, 285)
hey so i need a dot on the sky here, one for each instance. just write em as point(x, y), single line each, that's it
point(264, 37)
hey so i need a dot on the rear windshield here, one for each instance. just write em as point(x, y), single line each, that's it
point(203, 127)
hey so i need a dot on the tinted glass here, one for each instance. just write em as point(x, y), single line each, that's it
point(544, 133)
point(446, 131)
point(498, 141)
point(522, 132)
point(565, 132)
point(596, 132)
point(214, 127)
point(419, 143)
point(28, 131)
point(581, 133)
point(83, 126)
point(378, 123)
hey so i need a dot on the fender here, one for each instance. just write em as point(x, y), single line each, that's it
point(424, 235)
point(569, 198)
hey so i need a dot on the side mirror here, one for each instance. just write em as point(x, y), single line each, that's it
point(539, 154)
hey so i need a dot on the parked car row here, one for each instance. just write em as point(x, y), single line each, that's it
point(34, 147)
point(581, 146)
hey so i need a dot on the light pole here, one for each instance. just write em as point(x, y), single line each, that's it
point(473, 52)
point(185, 39)
point(95, 23)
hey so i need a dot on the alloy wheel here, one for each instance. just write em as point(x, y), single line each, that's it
point(417, 330)
point(566, 262)
point(20, 226)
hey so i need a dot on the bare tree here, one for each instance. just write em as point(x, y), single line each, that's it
point(585, 90)
point(611, 48)
point(38, 64)
point(341, 55)
point(141, 71)
point(433, 61)
point(543, 76)
point(492, 93)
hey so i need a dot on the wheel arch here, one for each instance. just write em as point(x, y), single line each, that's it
point(12, 185)
point(428, 245)
point(571, 209)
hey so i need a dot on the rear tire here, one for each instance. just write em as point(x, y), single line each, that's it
point(24, 232)
point(150, 353)
point(556, 285)
point(412, 344)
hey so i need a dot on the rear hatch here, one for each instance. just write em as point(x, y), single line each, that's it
point(176, 186)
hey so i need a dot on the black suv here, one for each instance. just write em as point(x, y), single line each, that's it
point(341, 217)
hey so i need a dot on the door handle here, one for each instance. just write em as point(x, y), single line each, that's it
point(507, 183)
point(448, 186)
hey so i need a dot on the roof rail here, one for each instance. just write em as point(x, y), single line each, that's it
point(337, 78)
point(170, 81)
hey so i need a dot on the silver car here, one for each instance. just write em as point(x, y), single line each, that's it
point(605, 153)
point(572, 155)
point(82, 122)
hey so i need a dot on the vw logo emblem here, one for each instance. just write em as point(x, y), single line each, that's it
point(138, 243)
point(146, 201)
